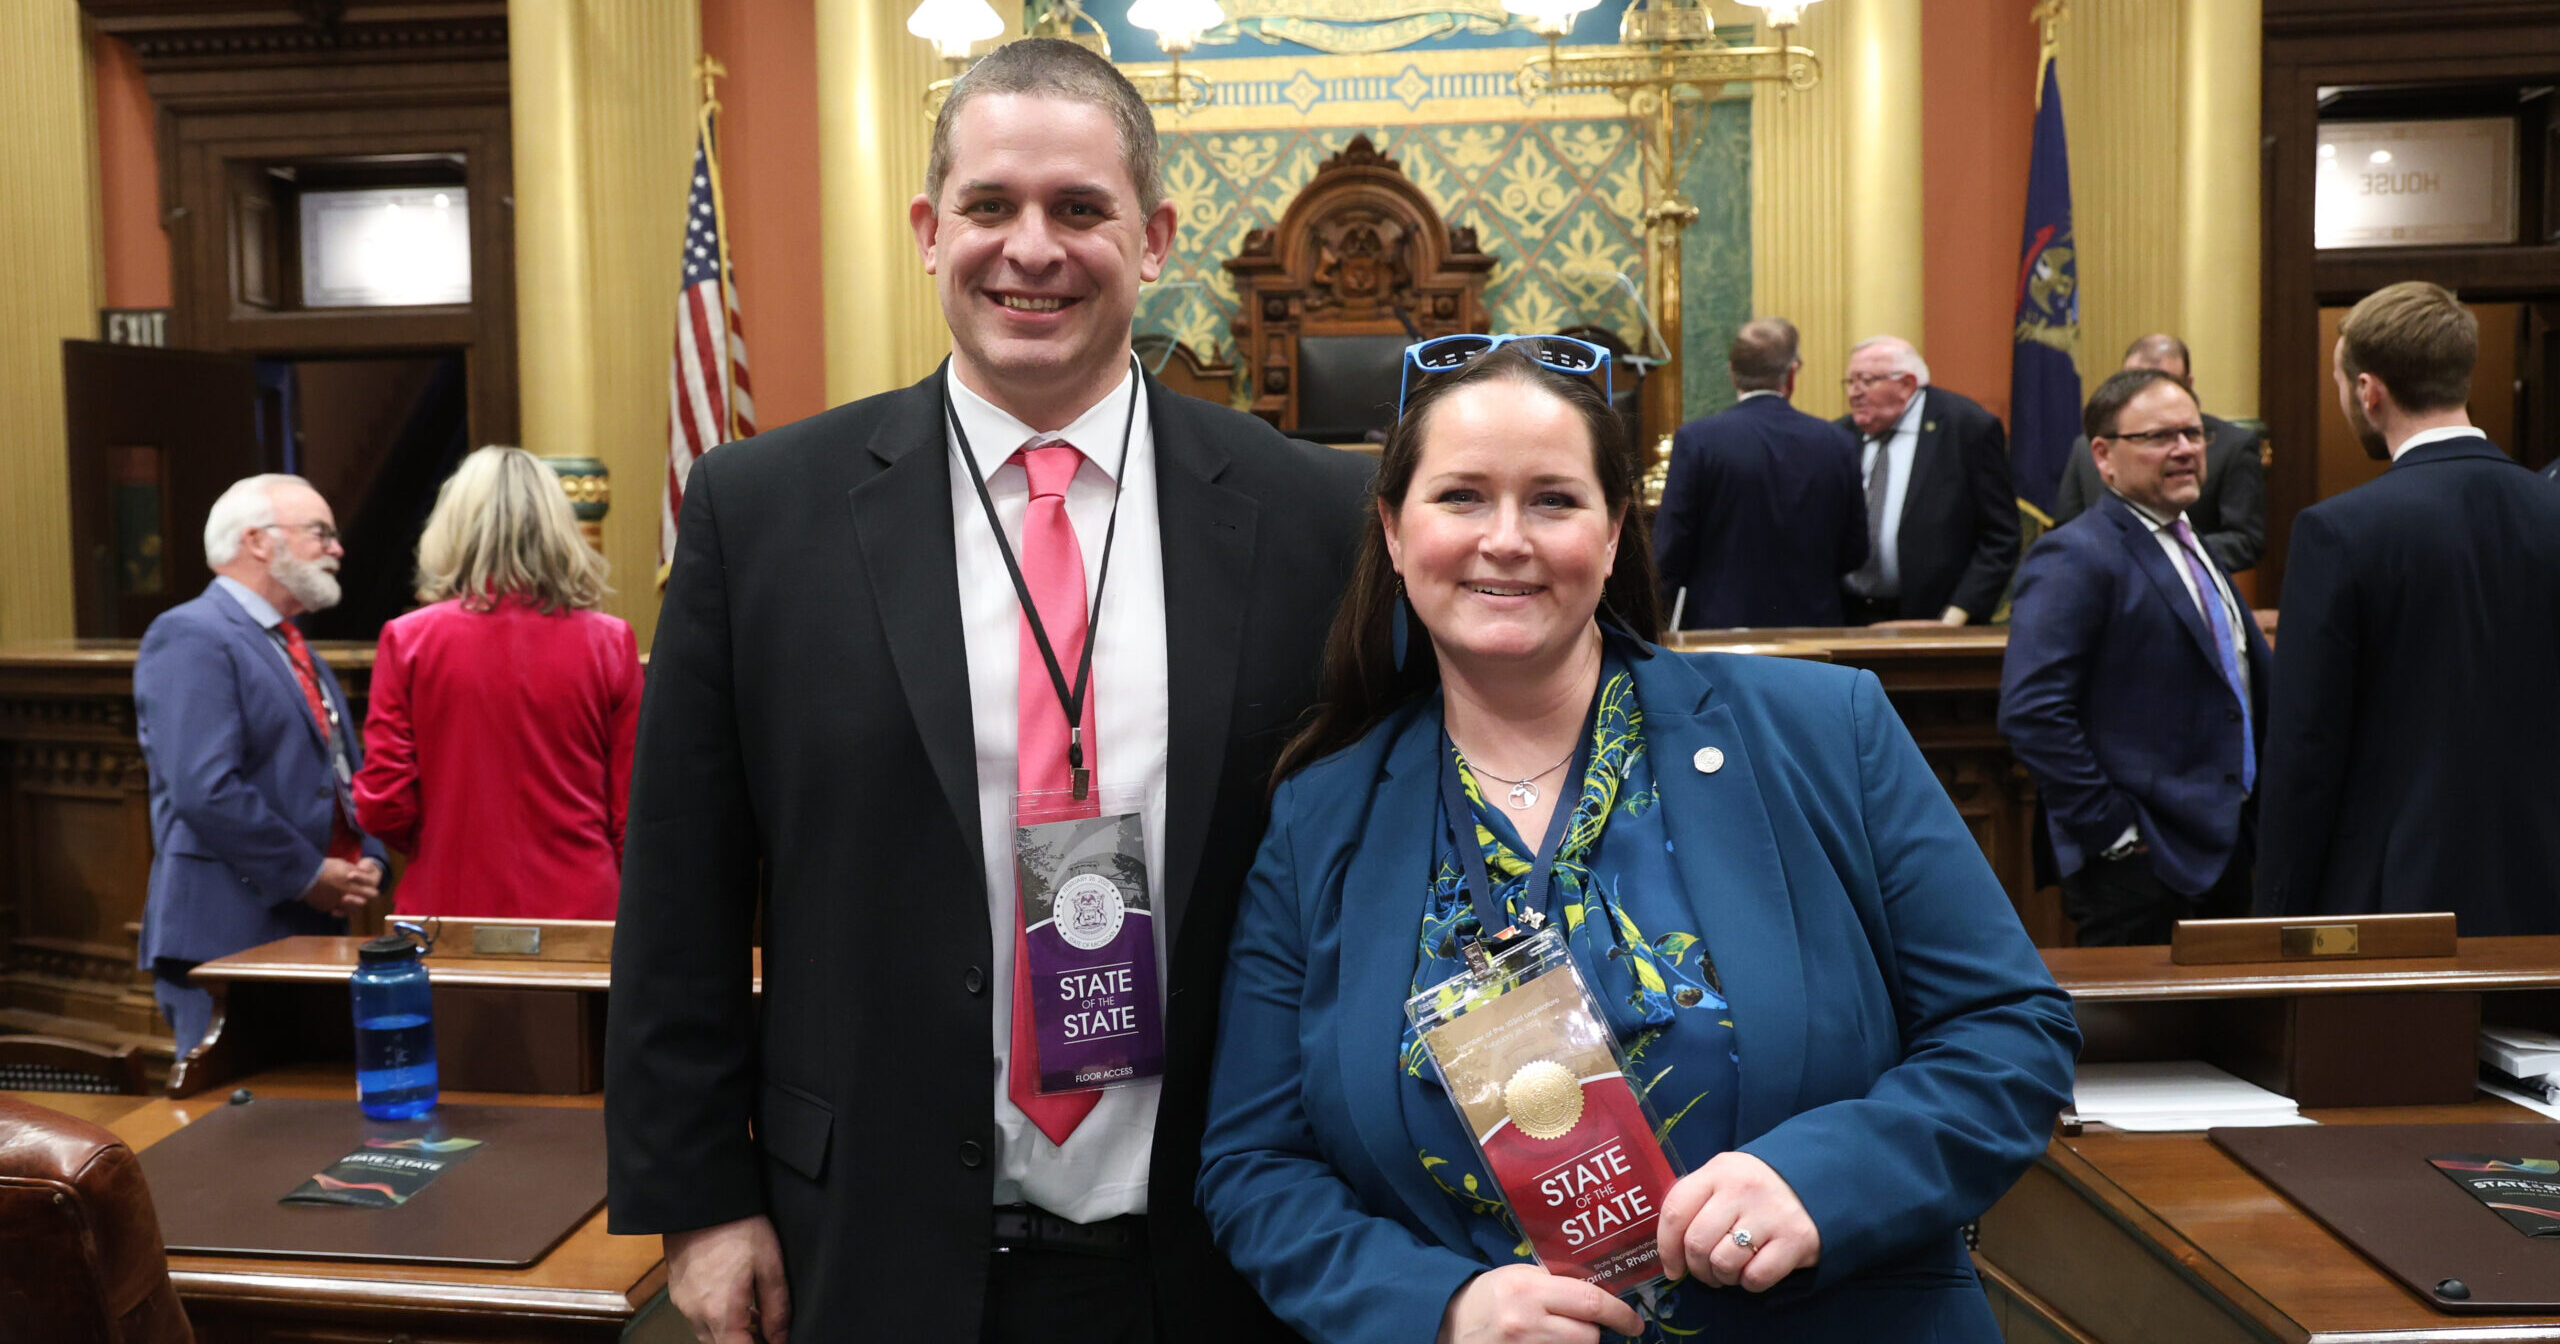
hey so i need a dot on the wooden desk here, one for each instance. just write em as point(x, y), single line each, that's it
point(98, 1108)
point(591, 1287)
point(2126, 1238)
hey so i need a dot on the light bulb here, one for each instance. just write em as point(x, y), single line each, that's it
point(1177, 24)
point(954, 26)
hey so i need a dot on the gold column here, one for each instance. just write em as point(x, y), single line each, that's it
point(883, 324)
point(2219, 187)
point(1799, 213)
point(2120, 70)
point(1880, 69)
point(604, 100)
point(49, 205)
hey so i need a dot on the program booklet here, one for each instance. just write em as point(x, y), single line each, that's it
point(1535, 1073)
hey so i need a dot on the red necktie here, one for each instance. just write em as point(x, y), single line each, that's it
point(1053, 568)
point(343, 843)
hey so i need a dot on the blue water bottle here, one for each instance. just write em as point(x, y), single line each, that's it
point(395, 1032)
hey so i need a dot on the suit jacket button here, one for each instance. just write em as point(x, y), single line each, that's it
point(2232, 714)
point(974, 980)
point(2230, 779)
point(972, 1155)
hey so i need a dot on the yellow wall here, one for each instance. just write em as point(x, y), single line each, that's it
point(48, 208)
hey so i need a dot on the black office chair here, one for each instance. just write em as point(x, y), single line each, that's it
point(1347, 387)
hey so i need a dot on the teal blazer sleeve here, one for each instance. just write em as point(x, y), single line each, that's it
point(1903, 1051)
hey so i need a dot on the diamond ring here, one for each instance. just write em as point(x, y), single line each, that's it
point(1742, 1238)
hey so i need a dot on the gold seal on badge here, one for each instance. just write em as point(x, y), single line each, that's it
point(1544, 1099)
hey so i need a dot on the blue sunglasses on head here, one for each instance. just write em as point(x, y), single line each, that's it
point(1562, 354)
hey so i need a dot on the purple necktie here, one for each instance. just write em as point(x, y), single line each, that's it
point(2210, 598)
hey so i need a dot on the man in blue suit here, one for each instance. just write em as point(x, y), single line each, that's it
point(2134, 687)
point(250, 749)
point(2409, 741)
point(1762, 513)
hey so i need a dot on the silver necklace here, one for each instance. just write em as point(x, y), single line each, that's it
point(1524, 792)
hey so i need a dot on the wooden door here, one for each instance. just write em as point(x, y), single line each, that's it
point(155, 436)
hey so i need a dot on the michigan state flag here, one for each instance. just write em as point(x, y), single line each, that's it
point(2044, 382)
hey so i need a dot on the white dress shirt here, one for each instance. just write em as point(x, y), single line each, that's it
point(2437, 435)
point(1101, 1170)
point(1901, 444)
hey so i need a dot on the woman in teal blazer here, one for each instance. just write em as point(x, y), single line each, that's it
point(1795, 937)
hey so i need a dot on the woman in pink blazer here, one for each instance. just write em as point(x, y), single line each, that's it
point(498, 741)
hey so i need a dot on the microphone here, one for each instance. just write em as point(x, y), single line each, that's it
point(1644, 314)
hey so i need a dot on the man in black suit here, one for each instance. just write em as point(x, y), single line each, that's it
point(1762, 513)
point(845, 664)
point(2230, 516)
point(1942, 515)
point(2410, 740)
point(2134, 686)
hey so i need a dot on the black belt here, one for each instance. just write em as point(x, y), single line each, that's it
point(1025, 1227)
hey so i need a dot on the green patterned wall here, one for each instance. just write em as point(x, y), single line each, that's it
point(1558, 203)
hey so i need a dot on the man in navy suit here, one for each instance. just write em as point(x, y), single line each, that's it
point(250, 749)
point(1942, 514)
point(2134, 685)
point(2230, 517)
point(2409, 741)
point(1762, 512)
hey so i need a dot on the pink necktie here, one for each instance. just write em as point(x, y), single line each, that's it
point(1053, 567)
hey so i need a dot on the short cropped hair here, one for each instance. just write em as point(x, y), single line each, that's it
point(502, 527)
point(2416, 338)
point(2106, 405)
point(1054, 68)
point(1906, 358)
point(249, 502)
point(2159, 345)
point(1761, 354)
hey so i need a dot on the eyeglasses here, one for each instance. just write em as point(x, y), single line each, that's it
point(2161, 438)
point(1860, 382)
point(1561, 354)
point(319, 532)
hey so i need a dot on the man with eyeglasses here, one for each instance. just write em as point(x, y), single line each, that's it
point(1942, 515)
point(2230, 517)
point(870, 692)
point(250, 749)
point(2134, 686)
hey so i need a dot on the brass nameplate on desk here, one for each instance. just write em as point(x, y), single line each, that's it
point(2319, 940)
point(506, 940)
point(2214, 942)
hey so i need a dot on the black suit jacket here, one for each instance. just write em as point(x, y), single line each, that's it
point(2230, 517)
point(1762, 514)
point(1959, 533)
point(805, 748)
point(2413, 743)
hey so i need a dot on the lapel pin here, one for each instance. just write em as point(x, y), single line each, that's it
point(1708, 760)
point(1929, 426)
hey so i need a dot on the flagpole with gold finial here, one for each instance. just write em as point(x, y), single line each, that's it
point(2048, 21)
point(709, 70)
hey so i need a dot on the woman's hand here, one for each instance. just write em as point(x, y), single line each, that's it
point(1523, 1304)
point(1736, 1192)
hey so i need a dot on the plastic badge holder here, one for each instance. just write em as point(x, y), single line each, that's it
point(1536, 1075)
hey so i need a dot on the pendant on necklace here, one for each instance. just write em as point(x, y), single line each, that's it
point(1524, 795)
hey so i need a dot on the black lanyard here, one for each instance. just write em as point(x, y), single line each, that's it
point(1070, 698)
point(1462, 829)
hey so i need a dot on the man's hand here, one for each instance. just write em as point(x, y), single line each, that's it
point(727, 1280)
point(1955, 616)
point(1523, 1304)
point(344, 888)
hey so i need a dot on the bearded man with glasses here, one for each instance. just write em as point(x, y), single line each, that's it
point(251, 750)
point(2134, 686)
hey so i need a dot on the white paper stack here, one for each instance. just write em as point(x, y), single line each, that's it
point(2182, 1094)
point(2523, 1066)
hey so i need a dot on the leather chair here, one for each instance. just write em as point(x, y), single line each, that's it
point(80, 1255)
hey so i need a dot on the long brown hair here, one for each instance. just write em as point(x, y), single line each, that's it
point(1361, 682)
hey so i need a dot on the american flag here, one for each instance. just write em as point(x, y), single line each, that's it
point(707, 397)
